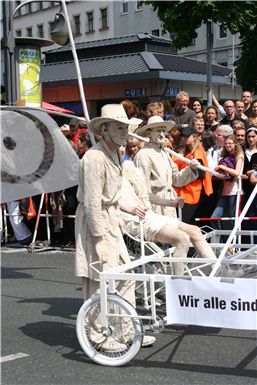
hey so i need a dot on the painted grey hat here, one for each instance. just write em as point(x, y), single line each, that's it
point(154, 122)
point(110, 113)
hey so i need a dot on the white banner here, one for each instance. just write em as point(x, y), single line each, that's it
point(35, 156)
point(216, 302)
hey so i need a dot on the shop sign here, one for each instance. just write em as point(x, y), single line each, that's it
point(135, 92)
point(171, 91)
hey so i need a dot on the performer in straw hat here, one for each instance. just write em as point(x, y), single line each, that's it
point(98, 222)
point(161, 174)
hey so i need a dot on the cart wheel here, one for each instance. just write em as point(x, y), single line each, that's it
point(121, 341)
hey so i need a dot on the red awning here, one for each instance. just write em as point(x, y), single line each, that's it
point(52, 107)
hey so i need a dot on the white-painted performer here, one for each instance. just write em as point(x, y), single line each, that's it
point(160, 172)
point(160, 175)
point(98, 224)
point(156, 227)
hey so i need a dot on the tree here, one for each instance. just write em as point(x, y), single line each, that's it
point(182, 18)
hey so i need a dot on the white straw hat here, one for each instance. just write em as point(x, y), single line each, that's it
point(153, 122)
point(110, 113)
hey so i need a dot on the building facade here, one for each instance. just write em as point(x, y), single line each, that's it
point(96, 20)
point(102, 21)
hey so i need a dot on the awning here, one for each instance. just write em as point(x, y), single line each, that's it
point(52, 107)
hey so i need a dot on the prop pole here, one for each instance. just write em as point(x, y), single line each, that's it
point(233, 233)
point(80, 83)
point(201, 167)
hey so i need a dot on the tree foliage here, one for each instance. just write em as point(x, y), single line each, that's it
point(182, 18)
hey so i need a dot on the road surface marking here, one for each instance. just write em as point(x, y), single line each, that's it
point(12, 357)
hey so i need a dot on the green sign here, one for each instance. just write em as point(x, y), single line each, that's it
point(29, 72)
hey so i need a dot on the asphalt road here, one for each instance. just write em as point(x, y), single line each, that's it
point(40, 300)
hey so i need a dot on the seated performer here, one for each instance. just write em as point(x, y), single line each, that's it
point(156, 227)
point(160, 172)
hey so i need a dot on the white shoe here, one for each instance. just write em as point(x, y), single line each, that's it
point(148, 341)
point(231, 273)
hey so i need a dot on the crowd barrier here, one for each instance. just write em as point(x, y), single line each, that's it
point(47, 215)
point(45, 244)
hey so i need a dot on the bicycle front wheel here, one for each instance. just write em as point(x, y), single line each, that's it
point(122, 340)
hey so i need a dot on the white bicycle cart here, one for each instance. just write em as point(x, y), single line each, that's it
point(112, 317)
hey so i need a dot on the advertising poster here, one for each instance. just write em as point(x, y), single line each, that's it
point(29, 72)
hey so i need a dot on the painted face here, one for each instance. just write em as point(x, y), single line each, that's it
point(118, 133)
point(157, 135)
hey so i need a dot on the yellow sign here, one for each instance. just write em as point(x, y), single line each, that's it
point(29, 72)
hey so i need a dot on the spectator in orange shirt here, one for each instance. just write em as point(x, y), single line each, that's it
point(193, 191)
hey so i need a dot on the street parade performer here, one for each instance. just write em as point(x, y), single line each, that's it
point(160, 175)
point(98, 224)
point(156, 227)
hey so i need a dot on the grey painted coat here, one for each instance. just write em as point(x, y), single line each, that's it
point(161, 174)
point(97, 223)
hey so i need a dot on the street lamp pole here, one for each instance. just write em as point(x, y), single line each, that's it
point(8, 46)
point(75, 57)
point(209, 61)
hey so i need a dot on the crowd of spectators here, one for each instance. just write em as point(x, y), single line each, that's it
point(222, 137)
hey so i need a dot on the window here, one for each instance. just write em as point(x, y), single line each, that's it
point(90, 22)
point(104, 18)
point(124, 7)
point(192, 42)
point(223, 63)
point(18, 32)
point(155, 32)
point(17, 3)
point(222, 32)
point(40, 6)
point(76, 20)
point(40, 30)
point(139, 6)
point(50, 24)
point(29, 31)
point(29, 8)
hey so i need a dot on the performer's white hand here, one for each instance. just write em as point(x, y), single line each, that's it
point(194, 163)
point(139, 211)
point(178, 202)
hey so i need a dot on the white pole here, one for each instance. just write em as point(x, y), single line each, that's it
point(80, 83)
point(201, 167)
point(232, 234)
